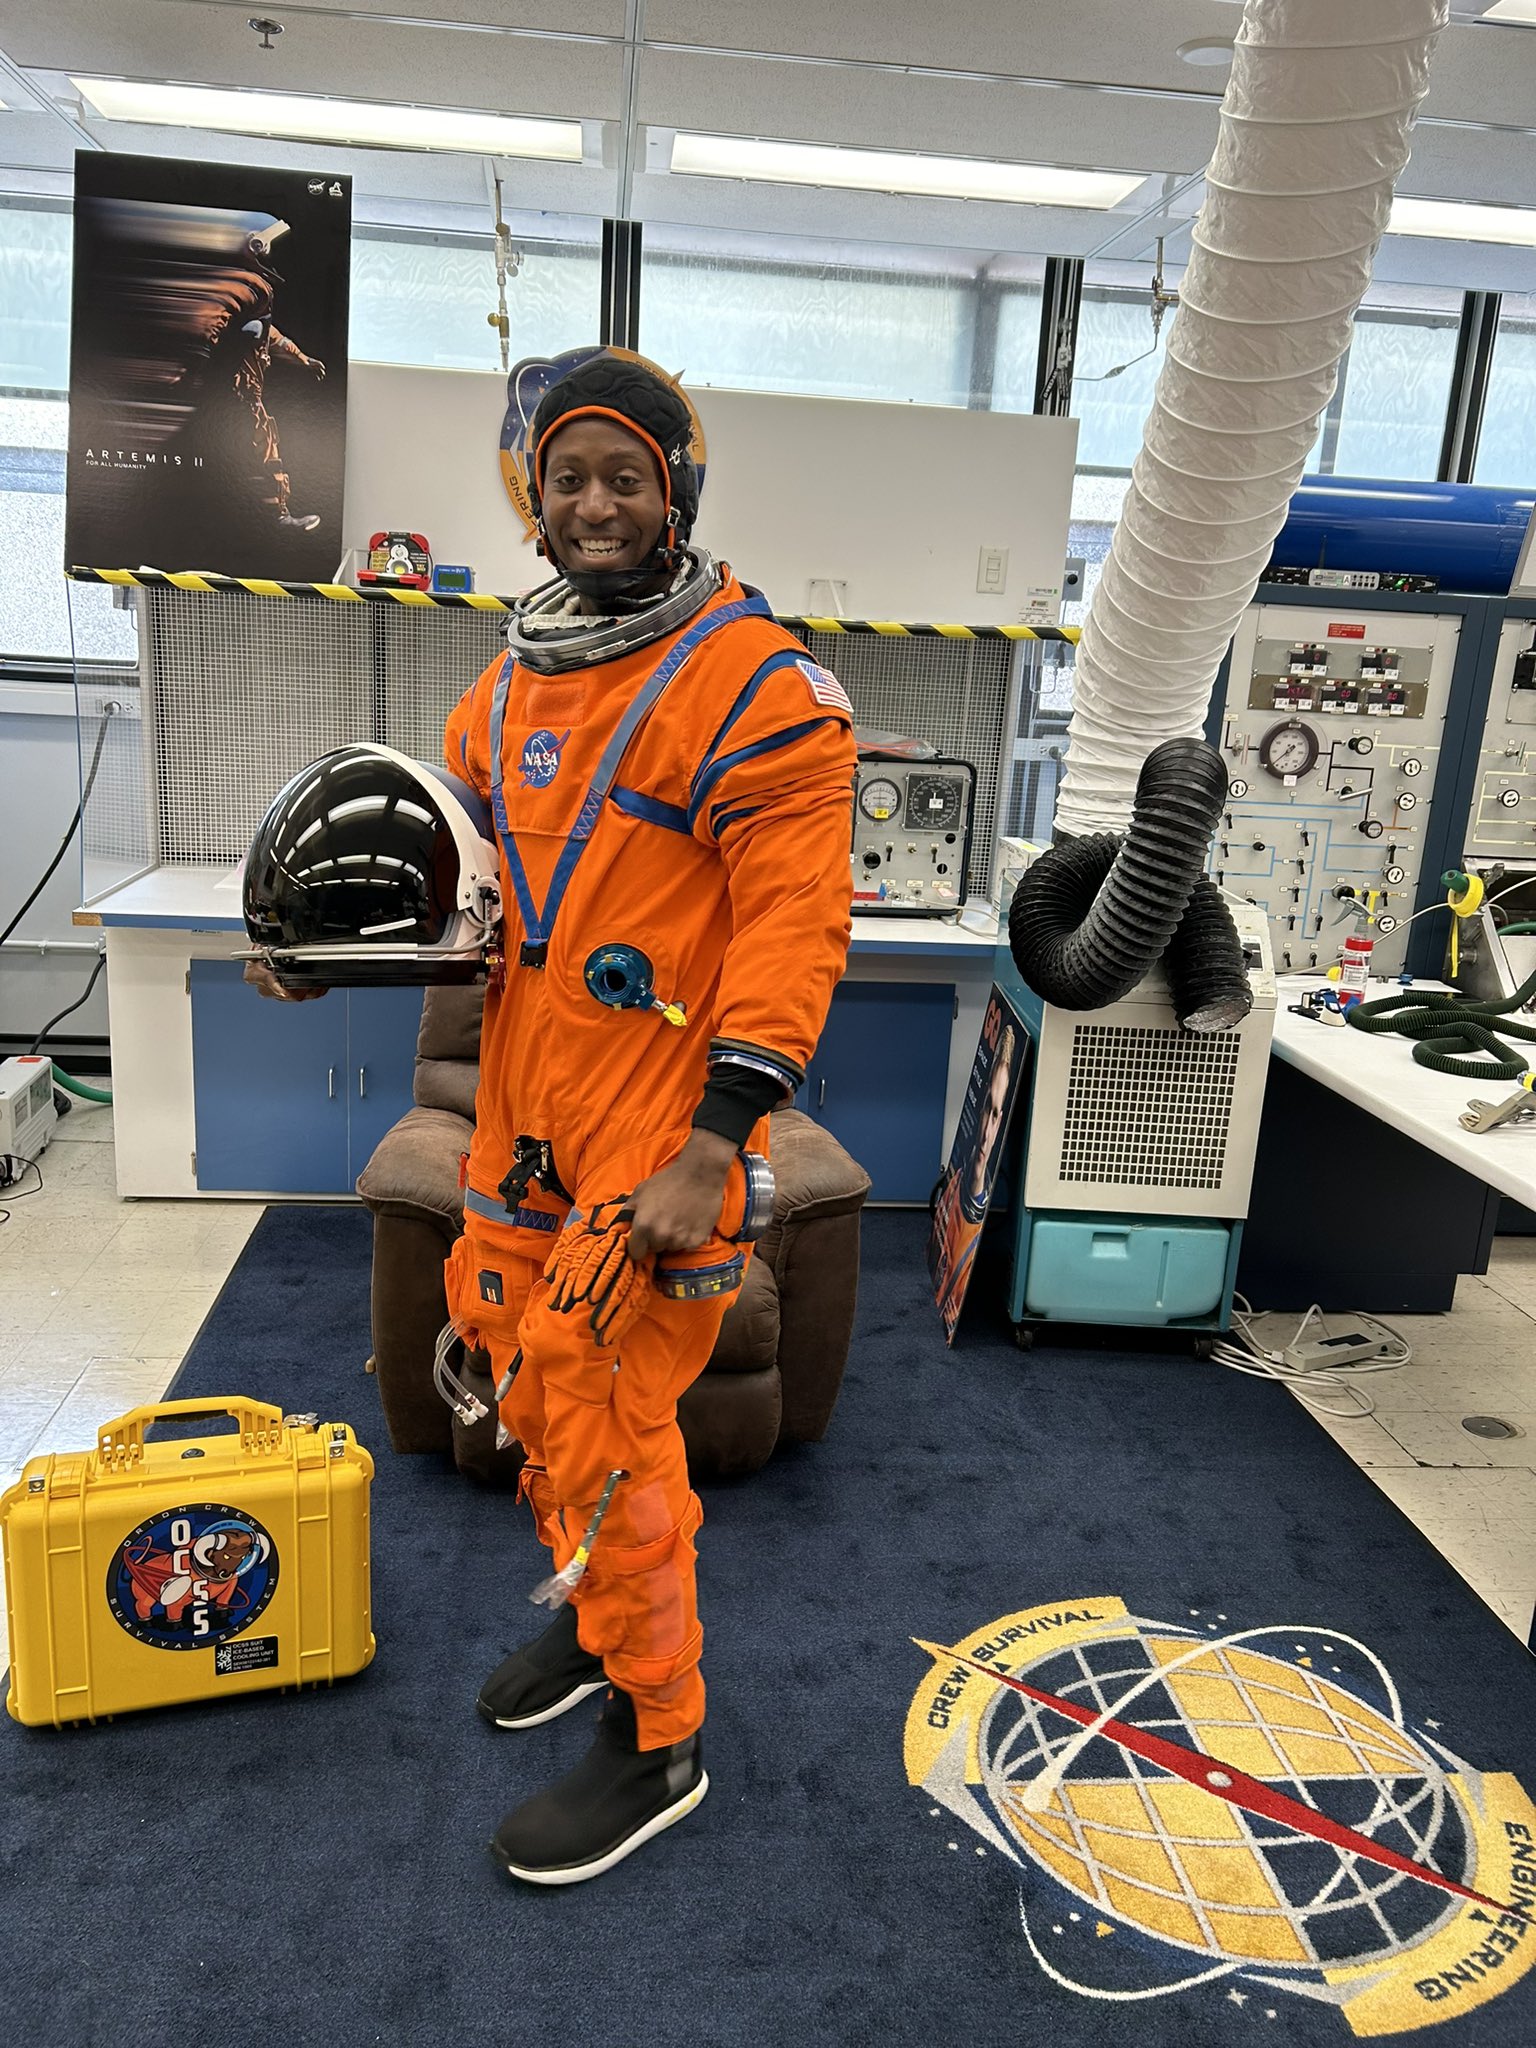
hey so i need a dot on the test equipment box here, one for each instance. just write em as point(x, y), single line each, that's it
point(27, 1114)
point(150, 1574)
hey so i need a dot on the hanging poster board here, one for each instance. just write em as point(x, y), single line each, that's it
point(966, 1187)
point(208, 367)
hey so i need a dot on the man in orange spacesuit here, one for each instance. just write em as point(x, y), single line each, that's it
point(670, 776)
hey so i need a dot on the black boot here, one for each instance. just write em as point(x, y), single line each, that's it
point(544, 1679)
point(617, 1797)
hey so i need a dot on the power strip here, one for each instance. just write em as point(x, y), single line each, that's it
point(1317, 1354)
point(1324, 1342)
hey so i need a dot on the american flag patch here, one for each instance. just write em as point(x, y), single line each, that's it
point(825, 687)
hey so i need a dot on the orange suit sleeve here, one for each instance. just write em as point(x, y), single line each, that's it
point(774, 795)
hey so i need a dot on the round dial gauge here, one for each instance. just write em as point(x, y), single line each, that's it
point(933, 803)
point(880, 799)
point(1237, 787)
point(1385, 925)
point(1288, 750)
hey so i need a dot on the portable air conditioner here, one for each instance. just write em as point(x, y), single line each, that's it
point(27, 1114)
point(1138, 1148)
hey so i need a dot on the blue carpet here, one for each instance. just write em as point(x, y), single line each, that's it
point(284, 1870)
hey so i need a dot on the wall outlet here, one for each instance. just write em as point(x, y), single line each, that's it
point(992, 571)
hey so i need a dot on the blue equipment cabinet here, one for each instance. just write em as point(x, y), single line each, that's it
point(291, 1098)
point(876, 1080)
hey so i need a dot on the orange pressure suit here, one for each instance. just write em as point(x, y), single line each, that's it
point(720, 851)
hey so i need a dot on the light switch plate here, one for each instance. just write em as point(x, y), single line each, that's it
point(992, 571)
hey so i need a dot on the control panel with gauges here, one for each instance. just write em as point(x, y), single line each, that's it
point(1503, 819)
point(1331, 729)
point(912, 811)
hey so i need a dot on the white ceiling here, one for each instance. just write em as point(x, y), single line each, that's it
point(1089, 83)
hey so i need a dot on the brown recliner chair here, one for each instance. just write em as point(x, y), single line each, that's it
point(776, 1369)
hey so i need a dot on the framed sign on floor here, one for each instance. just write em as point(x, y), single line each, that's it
point(966, 1186)
point(208, 367)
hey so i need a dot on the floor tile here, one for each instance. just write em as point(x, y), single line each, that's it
point(1368, 1443)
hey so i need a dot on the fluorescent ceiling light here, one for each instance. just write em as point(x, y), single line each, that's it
point(889, 170)
point(1521, 12)
point(1460, 220)
point(299, 117)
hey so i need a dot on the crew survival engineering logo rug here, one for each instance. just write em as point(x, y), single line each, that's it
point(1189, 1801)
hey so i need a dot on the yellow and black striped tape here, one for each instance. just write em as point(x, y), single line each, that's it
point(892, 631)
point(384, 593)
point(265, 586)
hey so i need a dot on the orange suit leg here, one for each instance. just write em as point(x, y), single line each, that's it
point(580, 1419)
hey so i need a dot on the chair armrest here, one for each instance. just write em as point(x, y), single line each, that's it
point(414, 1170)
point(813, 1248)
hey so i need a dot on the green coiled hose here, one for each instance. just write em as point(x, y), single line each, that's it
point(81, 1088)
point(1454, 1034)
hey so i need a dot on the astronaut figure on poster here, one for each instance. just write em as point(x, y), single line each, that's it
point(241, 340)
point(965, 1190)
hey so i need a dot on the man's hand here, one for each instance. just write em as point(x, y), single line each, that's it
point(678, 1208)
point(260, 976)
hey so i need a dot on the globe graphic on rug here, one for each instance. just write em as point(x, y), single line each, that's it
point(1203, 1873)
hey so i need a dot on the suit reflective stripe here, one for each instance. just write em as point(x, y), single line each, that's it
point(771, 744)
point(538, 924)
point(635, 804)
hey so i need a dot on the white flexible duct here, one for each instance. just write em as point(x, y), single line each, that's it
point(1314, 134)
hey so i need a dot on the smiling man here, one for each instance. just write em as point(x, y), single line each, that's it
point(671, 780)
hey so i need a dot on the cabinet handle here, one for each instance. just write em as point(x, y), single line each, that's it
point(330, 1084)
point(362, 1081)
point(821, 1093)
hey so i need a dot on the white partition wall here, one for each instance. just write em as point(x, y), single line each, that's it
point(879, 511)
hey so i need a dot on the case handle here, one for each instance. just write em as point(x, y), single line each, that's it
point(123, 1438)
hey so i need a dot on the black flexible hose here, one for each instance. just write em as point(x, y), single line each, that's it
point(1450, 1031)
point(1204, 963)
point(1093, 915)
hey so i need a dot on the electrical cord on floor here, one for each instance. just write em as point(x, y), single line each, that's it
point(78, 1003)
point(12, 1169)
point(1247, 1354)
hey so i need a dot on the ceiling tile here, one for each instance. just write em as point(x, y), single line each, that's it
point(1085, 39)
point(186, 42)
point(791, 102)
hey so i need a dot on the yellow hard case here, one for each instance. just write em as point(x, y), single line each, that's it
point(145, 1575)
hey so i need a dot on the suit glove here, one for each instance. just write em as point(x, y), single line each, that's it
point(592, 1271)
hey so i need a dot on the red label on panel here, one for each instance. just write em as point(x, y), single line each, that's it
point(1346, 632)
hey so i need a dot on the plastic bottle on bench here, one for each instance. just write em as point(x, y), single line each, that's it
point(1355, 968)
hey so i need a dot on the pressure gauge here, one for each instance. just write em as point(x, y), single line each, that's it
point(1288, 750)
point(880, 799)
point(933, 803)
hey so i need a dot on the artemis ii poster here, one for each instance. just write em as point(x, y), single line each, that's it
point(208, 368)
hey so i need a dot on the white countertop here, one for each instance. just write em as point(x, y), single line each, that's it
point(193, 898)
point(188, 897)
point(1377, 1071)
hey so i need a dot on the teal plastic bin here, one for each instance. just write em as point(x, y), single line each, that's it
point(1123, 1269)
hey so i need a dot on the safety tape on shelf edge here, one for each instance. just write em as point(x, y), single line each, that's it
point(342, 593)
